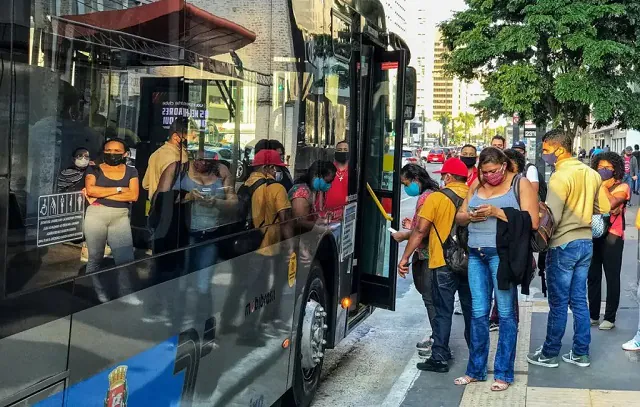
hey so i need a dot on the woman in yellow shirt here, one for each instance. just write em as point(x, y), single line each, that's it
point(634, 344)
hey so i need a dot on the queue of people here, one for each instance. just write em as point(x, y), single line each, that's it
point(480, 233)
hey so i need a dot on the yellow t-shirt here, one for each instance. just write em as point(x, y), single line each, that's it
point(441, 212)
point(158, 162)
point(266, 202)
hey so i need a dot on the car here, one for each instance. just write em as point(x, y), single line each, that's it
point(436, 155)
point(408, 157)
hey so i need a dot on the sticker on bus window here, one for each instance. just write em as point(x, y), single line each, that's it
point(293, 269)
point(347, 242)
point(60, 218)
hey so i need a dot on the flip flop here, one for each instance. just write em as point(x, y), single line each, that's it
point(464, 380)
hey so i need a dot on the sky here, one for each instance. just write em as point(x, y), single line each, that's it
point(443, 9)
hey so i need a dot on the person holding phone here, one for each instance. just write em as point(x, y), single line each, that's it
point(417, 182)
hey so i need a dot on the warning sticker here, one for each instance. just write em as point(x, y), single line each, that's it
point(60, 218)
point(293, 269)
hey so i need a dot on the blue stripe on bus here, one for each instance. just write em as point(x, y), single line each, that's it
point(150, 381)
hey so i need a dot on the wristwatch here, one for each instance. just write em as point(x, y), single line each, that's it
point(119, 189)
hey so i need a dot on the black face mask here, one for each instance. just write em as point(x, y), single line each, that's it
point(113, 159)
point(469, 161)
point(342, 156)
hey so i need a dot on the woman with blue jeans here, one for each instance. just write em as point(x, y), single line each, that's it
point(481, 210)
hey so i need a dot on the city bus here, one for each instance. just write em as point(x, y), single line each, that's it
point(196, 322)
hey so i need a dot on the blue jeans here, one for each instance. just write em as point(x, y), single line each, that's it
point(567, 272)
point(627, 178)
point(483, 281)
point(444, 285)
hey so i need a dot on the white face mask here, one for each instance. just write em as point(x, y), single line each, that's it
point(278, 176)
point(82, 162)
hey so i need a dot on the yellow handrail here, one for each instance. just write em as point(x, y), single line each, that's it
point(375, 199)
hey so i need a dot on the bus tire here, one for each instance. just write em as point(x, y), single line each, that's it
point(305, 381)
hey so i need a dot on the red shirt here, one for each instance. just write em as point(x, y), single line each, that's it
point(472, 177)
point(336, 196)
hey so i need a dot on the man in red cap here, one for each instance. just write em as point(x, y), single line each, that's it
point(436, 221)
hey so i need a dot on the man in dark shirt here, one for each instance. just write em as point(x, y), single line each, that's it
point(636, 154)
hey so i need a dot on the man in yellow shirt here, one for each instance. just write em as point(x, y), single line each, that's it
point(574, 195)
point(435, 220)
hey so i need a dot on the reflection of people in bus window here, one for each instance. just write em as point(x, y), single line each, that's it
point(71, 179)
point(337, 195)
point(111, 187)
point(265, 144)
point(308, 194)
point(174, 149)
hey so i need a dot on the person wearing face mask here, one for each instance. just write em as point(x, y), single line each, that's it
point(337, 195)
point(285, 178)
point(630, 168)
point(469, 156)
point(71, 179)
point(574, 195)
point(418, 183)
point(174, 149)
point(111, 187)
point(435, 221)
point(607, 250)
point(308, 194)
point(486, 210)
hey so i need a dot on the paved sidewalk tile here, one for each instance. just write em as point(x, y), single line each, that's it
point(608, 398)
point(547, 396)
point(480, 394)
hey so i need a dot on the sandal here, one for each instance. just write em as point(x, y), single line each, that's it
point(464, 380)
point(499, 386)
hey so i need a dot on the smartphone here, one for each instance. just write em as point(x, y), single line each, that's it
point(473, 209)
point(392, 230)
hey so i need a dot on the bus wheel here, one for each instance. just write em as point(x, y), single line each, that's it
point(310, 342)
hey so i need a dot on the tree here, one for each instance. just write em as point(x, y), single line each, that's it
point(444, 120)
point(558, 61)
point(467, 122)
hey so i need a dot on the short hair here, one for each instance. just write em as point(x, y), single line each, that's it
point(116, 140)
point(559, 136)
point(516, 157)
point(75, 152)
point(459, 178)
point(504, 140)
point(342, 142)
point(636, 147)
point(267, 144)
point(615, 159)
point(470, 145)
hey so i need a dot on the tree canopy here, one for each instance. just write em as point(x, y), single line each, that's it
point(569, 62)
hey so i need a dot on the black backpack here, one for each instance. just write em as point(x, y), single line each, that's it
point(542, 183)
point(251, 239)
point(455, 250)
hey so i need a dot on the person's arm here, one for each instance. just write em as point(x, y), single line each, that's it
point(283, 207)
point(401, 236)
point(463, 216)
point(418, 234)
point(634, 168)
point(129, 194)
point(618, 196)
point(601, 204)
point(230, 200)
point(94, 191)
point(529, 202)
point(534, 179)
point(557, 194)
point(166, 179)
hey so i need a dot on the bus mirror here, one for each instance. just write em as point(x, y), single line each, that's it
point(410, 86)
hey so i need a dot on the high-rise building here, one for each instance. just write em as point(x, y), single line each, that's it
point(396, 13)
point(443, 84)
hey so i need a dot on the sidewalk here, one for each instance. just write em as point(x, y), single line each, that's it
point(613, 379)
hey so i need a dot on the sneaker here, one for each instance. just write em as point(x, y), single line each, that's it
point(457, 310)
point(632, 346)
point(431, 365)
point(537, 358)
point(425, 344)
point(595, 322)
point(493, 326)
point(582, 361)
point(606, 325)
point(425, 353)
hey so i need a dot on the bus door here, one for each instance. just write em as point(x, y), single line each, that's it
point(382, 122)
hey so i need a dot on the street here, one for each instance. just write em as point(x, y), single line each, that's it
point(375, 365)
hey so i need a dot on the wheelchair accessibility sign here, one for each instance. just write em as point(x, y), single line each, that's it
point(60, 218)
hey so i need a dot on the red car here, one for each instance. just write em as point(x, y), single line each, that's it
point(436, 155)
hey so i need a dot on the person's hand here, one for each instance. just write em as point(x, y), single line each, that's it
point(403, 267)
point(406, 223)
point(398, 237)
point(635, 178)
point(484, 211)
point(608, 183)
point(474, 217)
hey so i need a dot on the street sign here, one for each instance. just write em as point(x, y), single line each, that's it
point(516, 118)
point(60, 218)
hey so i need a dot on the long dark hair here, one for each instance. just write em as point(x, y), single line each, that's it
point(516, 157)
point(492, 155)
point(417, 173)
point(615, 159)
point(320, 169)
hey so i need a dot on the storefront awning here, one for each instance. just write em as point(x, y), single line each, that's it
point(172, 22)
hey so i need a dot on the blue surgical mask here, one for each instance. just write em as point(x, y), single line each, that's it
point(413, 189)
point(551, 158)
point(319, 184)
point(605, 173)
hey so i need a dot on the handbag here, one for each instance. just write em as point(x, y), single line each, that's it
point(600, 224)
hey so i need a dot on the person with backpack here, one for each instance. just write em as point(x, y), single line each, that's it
point(447, 260)
point(533, 174)
point(503, 197)
point(308, 194)
point(607, 249)
point(575, 194)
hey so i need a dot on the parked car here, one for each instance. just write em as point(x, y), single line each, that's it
point(408, 157)
point(436, 155)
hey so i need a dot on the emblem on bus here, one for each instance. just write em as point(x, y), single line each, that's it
point(117, 393)
point(293, 269)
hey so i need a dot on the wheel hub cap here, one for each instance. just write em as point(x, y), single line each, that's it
point(314, 328)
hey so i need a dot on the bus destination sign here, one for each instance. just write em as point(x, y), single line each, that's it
point(60, 218)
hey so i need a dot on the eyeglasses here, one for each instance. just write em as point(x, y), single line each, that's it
point(82, 156)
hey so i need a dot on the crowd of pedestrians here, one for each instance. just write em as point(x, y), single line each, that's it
point(493, 223)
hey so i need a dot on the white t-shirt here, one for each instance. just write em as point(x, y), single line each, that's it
point(532, 174)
